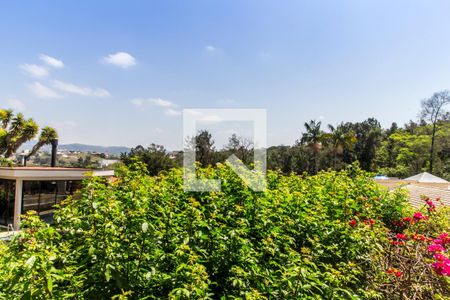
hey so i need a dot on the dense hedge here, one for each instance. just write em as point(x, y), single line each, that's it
point(327, 236)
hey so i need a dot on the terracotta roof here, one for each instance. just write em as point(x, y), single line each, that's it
point(416, 192)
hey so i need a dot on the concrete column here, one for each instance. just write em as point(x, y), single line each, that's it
point(18, 204)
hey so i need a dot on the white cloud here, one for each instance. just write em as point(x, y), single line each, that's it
point(51, 61)
point(161, 103)
point(172, 112)
point(16, 104)
point(120, 59)
point(210, 48)
point(80, 90)
point(35, 70)
point(41, 91)
point(137, 102)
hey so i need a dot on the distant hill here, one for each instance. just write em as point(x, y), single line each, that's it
point(114, 150)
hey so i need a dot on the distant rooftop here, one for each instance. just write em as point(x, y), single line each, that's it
point(417, 192)
point(426, 178)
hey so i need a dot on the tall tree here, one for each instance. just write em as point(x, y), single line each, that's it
point(368, 135)
point(15, 130)
point(313, 139)
point(240, 146)
point(45, 138)
point(203, 144)
point(341, 139)
point(433, 112)
point(156, 158)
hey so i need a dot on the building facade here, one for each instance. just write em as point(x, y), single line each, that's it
point(39, 189)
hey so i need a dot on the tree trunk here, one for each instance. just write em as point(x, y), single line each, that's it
point(432, 148)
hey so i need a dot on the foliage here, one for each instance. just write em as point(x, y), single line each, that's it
point(154, 157)
point(142, 236)
point(15, 130)
point(415, 261)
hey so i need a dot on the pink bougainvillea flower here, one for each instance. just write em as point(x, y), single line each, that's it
point(442, 267)
point(401, 236)
point(444, 238)
point(419, 216)
point(390, 270)
point(406, 220)
point(440, 257)
point(352, 223)
point(435, 248)
point(443, 235)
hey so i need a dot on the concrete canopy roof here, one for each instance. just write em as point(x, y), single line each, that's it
point(49, 173)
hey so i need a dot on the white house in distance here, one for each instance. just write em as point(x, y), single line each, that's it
point(37, 188)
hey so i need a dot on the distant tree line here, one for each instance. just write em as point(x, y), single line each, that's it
point(422, 145)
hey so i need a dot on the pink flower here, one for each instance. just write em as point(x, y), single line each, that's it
point(406, 219)
point(352, 223)
point(431, 205)
point(398, 273)
point(443, 235)
point(435, 248)
point(401, 236)
point(440, 257)
point(444, 238)
point(442, 267)
point(419, 216)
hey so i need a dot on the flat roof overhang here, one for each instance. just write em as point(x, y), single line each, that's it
point(49, 173)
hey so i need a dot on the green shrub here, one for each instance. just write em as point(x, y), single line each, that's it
point(306, 237)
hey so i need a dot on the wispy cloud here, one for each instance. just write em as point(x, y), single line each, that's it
point(172, 112)
point(16, 104)
point(120, 59)
point(168, 106)
point(80, 90)
point(51, 61)
point(41, 91)
point(210, 48)
point(138, 102)
point(34, 70)
point(161, 103)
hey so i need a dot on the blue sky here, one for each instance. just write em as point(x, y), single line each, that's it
point(123, 70)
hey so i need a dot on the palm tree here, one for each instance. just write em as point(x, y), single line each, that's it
point(5, 117)
point(47, 135)
point(15, 130)
point(28, 131)
point(313, 138)
point(340, 140)
point(15, 126)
